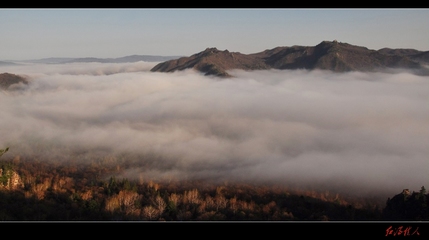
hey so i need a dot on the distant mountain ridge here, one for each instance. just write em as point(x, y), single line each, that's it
point(7, 63)
point(327, 55)
point(126, 59)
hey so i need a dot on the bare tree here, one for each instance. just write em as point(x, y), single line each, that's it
point(174, 198)
point(149, 212)
point(3, 151)
point(40, 189)
point(160, 204)
point(123, 201)
point(220, 202)
point(191, 197)
point(233, 204)
point(209, 201)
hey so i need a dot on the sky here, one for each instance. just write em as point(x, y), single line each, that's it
point(108, 33)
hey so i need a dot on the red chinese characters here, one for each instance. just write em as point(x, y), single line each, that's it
point(402, 231)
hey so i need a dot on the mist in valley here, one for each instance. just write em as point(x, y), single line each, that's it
point(359, 133)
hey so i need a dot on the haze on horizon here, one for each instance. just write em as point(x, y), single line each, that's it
point(110, 33)
point(359, 133)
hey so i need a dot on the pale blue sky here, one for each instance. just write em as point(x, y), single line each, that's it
point(42, 33)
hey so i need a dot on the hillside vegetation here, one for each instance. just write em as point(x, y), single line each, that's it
point(53, 191)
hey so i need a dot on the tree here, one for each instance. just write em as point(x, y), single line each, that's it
point(125, 202)
point(422, 190)
point(160, 204)
point(423, 203)
point(191, 197)
point(233, 204)
point(220, 202)
point(149, 212)
point(3, 151)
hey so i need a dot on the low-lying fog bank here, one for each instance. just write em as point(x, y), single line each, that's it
point(357, 132)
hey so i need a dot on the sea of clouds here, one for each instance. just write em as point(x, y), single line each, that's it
point(356, 132)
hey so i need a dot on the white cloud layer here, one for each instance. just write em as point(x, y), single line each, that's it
point(360, 132)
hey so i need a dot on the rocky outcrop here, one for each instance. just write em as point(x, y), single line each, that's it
point(8, 80)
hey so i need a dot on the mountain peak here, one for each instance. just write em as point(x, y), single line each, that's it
point(212, 49)
point(328, 43)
